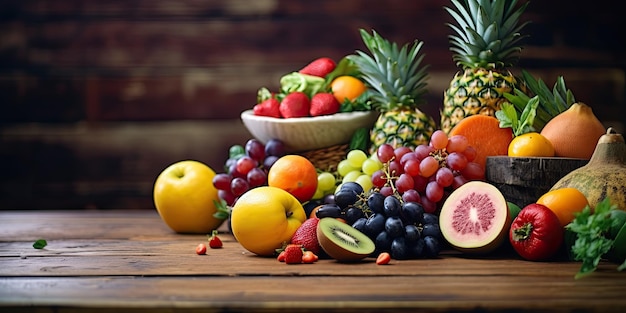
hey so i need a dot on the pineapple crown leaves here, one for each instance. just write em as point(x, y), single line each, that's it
point(551, 102)
point(395, 74)
point(488, 33)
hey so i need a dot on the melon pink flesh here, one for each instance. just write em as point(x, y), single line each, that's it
point(476, 219)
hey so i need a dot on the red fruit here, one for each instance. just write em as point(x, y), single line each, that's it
point(383, 258)
point(281, 256)
point(201, 249)
point(324, 103)
point(295, 104)
point(215, 241)
point(309, 257)
point(306, 235)
point(293, 254)
point(319, 67)
point(536, 233)
point(269, 107)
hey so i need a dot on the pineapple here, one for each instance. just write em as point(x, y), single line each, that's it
point(396, 83)
point(485, 46)
point(551, 102)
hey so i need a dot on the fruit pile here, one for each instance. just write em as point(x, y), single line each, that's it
point(319, 88)
point(401, 228)
point(416, 188)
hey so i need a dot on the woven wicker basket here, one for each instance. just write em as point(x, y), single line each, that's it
point(326, 159)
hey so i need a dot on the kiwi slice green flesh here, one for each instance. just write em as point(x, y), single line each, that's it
point(342, 242)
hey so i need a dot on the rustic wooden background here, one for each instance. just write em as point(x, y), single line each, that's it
point(97, 97)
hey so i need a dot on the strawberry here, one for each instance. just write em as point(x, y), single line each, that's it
point(306, 235)
point(281, 256)
point(268, 107)
point(319, 67)
point(309, 257)
point(295, 104)
point(293, 254)
point(201, 249)
point(215, 241)
point(324, 103)
point(383, 258)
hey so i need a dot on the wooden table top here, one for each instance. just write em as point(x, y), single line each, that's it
point(114, 261)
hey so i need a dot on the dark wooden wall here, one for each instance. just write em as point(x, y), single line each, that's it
point(97, 97)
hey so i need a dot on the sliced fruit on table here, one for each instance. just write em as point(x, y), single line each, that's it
point(475, 218)
point(486, 44)
point(343, 242)
point(396, 81)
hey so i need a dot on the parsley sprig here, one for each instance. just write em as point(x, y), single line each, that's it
point(593, 241)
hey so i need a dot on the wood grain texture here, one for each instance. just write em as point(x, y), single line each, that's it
point(523, 180)
point(112, 261)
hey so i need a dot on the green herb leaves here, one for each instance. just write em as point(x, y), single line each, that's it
point(508, 117)
point(593, 236)
point(40, 244)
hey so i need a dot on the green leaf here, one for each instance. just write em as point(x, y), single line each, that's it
point(528, 117)
point(507, 116)
point(344, 67)
point(591, 230)
point(223, 211)
point(40, 244)
point(360, 139)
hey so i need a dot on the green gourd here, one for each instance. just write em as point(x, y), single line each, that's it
point(605, 173)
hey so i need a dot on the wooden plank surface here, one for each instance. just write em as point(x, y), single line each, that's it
point(104, 261)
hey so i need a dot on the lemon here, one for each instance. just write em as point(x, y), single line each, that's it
point(530, 144)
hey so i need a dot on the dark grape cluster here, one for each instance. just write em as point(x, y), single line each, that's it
point(246, 168)
point(399, 227)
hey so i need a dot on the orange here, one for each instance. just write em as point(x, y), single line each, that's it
point(347, 87)
point(564, 202)
point(531, 144)
point(294, 174)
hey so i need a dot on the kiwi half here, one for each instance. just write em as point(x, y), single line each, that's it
point(342, 242)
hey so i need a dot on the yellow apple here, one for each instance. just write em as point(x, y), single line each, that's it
point(183, 196)
point(264, 218)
